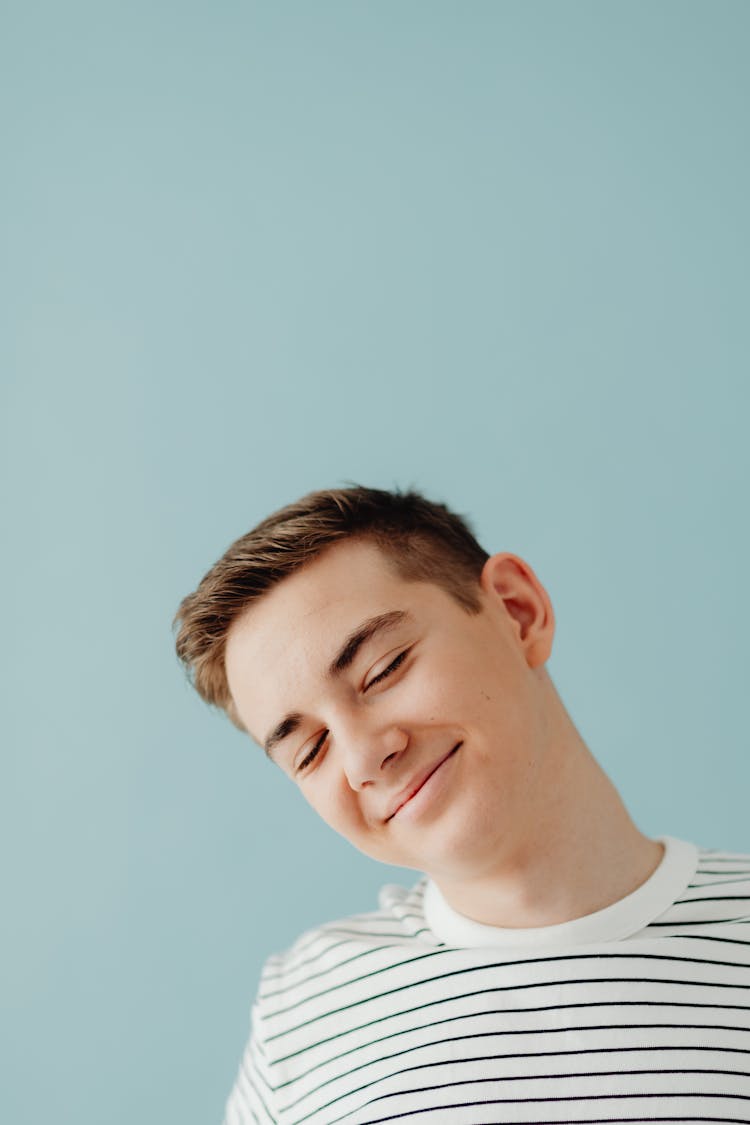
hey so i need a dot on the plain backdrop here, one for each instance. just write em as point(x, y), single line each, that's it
point(498, 251)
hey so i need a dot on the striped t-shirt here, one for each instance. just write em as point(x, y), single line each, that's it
point(413, 1013)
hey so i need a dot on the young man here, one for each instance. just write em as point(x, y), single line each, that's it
point(552, 964)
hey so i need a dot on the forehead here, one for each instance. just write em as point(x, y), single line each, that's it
point(286, 640)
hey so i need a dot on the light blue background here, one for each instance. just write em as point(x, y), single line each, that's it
point(495, 250)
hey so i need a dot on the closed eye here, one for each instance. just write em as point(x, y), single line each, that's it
point(315, 750)
point(309, 758)
point(394, 664)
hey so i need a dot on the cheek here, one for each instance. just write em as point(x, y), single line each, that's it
point(436, 690)
point(330, 795)
point(453, 691)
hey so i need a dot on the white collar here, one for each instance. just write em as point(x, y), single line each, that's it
point(620, 920)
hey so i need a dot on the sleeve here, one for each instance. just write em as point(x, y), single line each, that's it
point(252, 1100)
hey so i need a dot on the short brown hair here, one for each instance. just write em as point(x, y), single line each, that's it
point(424, 540)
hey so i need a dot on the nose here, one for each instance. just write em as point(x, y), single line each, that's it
point(367, 755)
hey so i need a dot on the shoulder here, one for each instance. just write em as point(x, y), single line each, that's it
point(332, 950)
point(717, 867)
point(726, 859)
point(717, 893)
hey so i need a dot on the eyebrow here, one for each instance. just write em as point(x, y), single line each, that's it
point(343, 659)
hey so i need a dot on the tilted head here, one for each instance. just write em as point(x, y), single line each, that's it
point(422, 539)
point(391, 668)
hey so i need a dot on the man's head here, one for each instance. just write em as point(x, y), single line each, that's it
point(390, 667)
point(423, 540)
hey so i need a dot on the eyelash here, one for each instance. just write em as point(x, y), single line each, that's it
point(313, 753)
point(394, 664)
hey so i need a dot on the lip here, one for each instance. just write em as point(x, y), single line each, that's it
point(417, 782)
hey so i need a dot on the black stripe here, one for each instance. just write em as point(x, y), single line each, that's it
point(485, 967)
point(710, 937)
point(704, 922)
point(598, 1121)
point(272, 973)
point(717, 882)
point(249, 1078)
point(334, 929)
point(330, 1059)
point(553, 983)
point(278, 965)
point(712, 898)
point(594, 1097)
point(715, 855)
point(545, 1032)
point(530, 1078)
point(330, 969)
point(350, 980)
point(569, 1074)
point(503, 1059)
point(483, 992)
point(743, 869)
point(494, 1058)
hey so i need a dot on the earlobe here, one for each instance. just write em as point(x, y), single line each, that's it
point(511, 583)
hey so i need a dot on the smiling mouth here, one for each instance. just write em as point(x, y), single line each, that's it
point(424, 781)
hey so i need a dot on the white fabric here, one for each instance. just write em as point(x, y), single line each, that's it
point(639, 1012)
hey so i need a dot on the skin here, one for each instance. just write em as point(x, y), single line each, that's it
point(520, 827)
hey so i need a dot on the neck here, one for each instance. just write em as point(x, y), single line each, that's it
point(580, 853)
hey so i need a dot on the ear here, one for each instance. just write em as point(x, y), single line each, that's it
point(510, 584)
